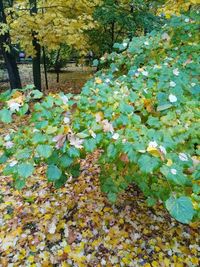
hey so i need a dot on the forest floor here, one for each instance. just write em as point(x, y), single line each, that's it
point(71, 79)
point(77, 226)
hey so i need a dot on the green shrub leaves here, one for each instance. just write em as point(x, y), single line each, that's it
point(142, 113)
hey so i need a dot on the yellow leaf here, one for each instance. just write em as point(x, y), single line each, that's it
point(31, 259)
point(67, 249)
point(153, 151)
point(169, 162)
point(98, 81)
point(154, 264)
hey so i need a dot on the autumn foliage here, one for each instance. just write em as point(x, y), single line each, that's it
point(141, 113)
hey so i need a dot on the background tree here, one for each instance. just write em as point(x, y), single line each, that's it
point(57, 59)
point(122, 19)
point(50, 24)
point(6, 49)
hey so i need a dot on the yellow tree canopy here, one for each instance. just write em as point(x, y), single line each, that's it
point(172, 7)
point(56, 22)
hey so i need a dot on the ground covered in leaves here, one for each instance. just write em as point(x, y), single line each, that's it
point(76, 226)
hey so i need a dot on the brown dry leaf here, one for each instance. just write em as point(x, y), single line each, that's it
point(124, 158)
point(71, 236)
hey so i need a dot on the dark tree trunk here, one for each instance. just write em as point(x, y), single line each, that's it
point(36, 45)
point(112, 35)
point(36, 65)
point(9, 58)
point(57, 67)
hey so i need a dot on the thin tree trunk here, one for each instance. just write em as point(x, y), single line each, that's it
point(57, 67)
point(9, 58)
point(45, 68)
point(36, 45)
point(113, 34)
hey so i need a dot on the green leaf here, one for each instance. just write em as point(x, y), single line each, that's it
point(196, 188)
point(111, 151)
point(148, 164)
point(20, 184)
point(22, 111)
point(3, 158)
point(39, 138)
point(25, 170)
point(36, 94)
point(164, 107)
point(44, 151)
point(59, 183)
point(53, 173)
point(73, 152)
point(65, 161)
point(90, 145)
point(112, 197)
point(181, 209)
point(179, 178)
point(23, 154)
point(75, 170)
point(151, 201)
point(5, 116)
point(95, 63)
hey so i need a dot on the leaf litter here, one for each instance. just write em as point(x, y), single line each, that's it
point(77, 226)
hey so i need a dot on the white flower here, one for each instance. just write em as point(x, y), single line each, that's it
point(66, 120)
point(187, 20)
point(136, 74)
point(193, 84)
point(183, 157)
point(64, 99)
point(13, 163)
point(153, 144)
point(172, 98)
point(124, 44)
point(163, 150)
point(145, 73)
point(146, 43)
point(176, 72)
point(115, 136)
point(172, 84)
point(165, 36)
point(107, 80)
point(35, 130)
point(9, 144)
point(7, 137)
point(173, 171)
point(14, 106)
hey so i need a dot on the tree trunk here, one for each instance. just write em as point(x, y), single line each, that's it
point(57, 67)
point(9, 58)
point(36, 45)
point(36, 66)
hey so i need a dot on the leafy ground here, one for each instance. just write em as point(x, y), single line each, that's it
point(73, 78)
point(76, 226)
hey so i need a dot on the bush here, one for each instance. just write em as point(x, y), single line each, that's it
point(143, 112)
